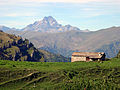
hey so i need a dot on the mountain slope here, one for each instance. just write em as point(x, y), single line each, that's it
point(111, 50)
point(67, 42)
point(16, 49)
point(50, 57)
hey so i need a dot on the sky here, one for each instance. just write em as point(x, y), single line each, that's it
point(84, 14)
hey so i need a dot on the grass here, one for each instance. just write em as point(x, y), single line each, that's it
point(15, 75)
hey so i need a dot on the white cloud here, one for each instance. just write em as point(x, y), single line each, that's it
point(71, 1)
point(43, 2)
point(75, 1)
point(65, 1)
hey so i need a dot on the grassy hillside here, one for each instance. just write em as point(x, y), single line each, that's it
point(15, 48)
point(60, 76)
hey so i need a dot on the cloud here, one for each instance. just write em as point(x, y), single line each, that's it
point(73, 1)
point(27, 3)
point(65, 1)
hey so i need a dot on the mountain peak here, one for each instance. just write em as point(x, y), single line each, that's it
point(49, 20)
point(49, 24)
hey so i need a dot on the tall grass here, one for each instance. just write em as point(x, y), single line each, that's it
point(60, 75)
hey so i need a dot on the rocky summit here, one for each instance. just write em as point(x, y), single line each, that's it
point(48, 24)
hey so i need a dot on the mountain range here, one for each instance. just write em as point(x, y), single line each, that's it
point(47, 24)
point(66, 39)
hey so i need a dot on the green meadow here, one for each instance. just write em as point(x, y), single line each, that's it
point(15, 75)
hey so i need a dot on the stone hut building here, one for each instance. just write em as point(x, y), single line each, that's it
point(88, 56)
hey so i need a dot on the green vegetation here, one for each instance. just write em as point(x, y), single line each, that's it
point(15, 75)
point(15, 48)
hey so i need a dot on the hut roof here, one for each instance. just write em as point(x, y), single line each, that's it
point(89, 54)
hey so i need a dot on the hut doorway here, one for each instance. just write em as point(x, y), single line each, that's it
point(87, 59)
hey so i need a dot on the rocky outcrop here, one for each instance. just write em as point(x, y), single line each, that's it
point(16, 49)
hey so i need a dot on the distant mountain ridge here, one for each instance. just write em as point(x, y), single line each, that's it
point(4, 28)
point(65, 43)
